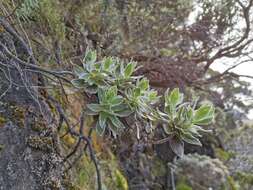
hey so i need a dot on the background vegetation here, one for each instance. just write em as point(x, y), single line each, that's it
point(112, 60)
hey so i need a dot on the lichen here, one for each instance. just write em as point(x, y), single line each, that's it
point(2, 121)
point(12, 113)
point(38, 126)
point(70, 185)
point(52, 183)
point(40, 143)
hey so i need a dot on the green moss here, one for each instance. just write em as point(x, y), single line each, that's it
point(1, 147)
point(40, 143)
point(120, 180)
point(244, 178)
point(223, 155)
point(112, 177)
point(183, 186)
point(85, 173)
point(2, 120)
point(232, 183)
point(158, 168)
point(70, 185)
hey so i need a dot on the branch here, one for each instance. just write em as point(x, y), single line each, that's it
point(57, 74)
point(236, 46)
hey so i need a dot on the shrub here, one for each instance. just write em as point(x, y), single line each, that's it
point(120, 94)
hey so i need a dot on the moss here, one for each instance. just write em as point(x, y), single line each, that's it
point(112, 177)
point(38, 126)
point(232, 183)
point(69, 140)
point(158, 168)
point(85, 173)
point(12, 113)
point(40, 143)
point(70, 185)
point(1, 147)
point(1, 28)
point(244, 178)
point(120, 180)
point(183, 186)
point(2, 121)
point(223, 155)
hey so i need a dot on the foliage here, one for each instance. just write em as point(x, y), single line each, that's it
point(120, 94)
point(113, 178)
point(183, 186)
point(27, 8)
point(183, 121)
point(111, 106)
point(155, 31)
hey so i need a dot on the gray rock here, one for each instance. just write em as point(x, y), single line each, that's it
point(29, 158)
point(201, 172)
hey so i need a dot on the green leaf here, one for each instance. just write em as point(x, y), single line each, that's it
point(187, 137)
point(123, 113)
point(90, 112)
point(94, 107)
point(101, 95)
point(137, 92)
point(204, 115)
point(113, 129)
point(116, 122)
point(168, 110)
point(175, 98)
point(153, 96)
point(111, 92)
point(90, 57)
point(78, 70)
point(129, 69)
point(166, 129)
point(198, 128)
point(190, 113)
point(119, 107)
point(116, 100)
point(193, 130)
point(143, 84)
point(102, 118)
point(79, 83)
point(84, 76)
point(107, 63)
point(100, 128)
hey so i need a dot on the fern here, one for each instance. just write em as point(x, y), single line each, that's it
point(27, 8)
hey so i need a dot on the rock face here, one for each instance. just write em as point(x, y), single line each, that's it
point(29, 156)
point(241, 145)
point(201, 172)
point(23, 167)
point(240, 164)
